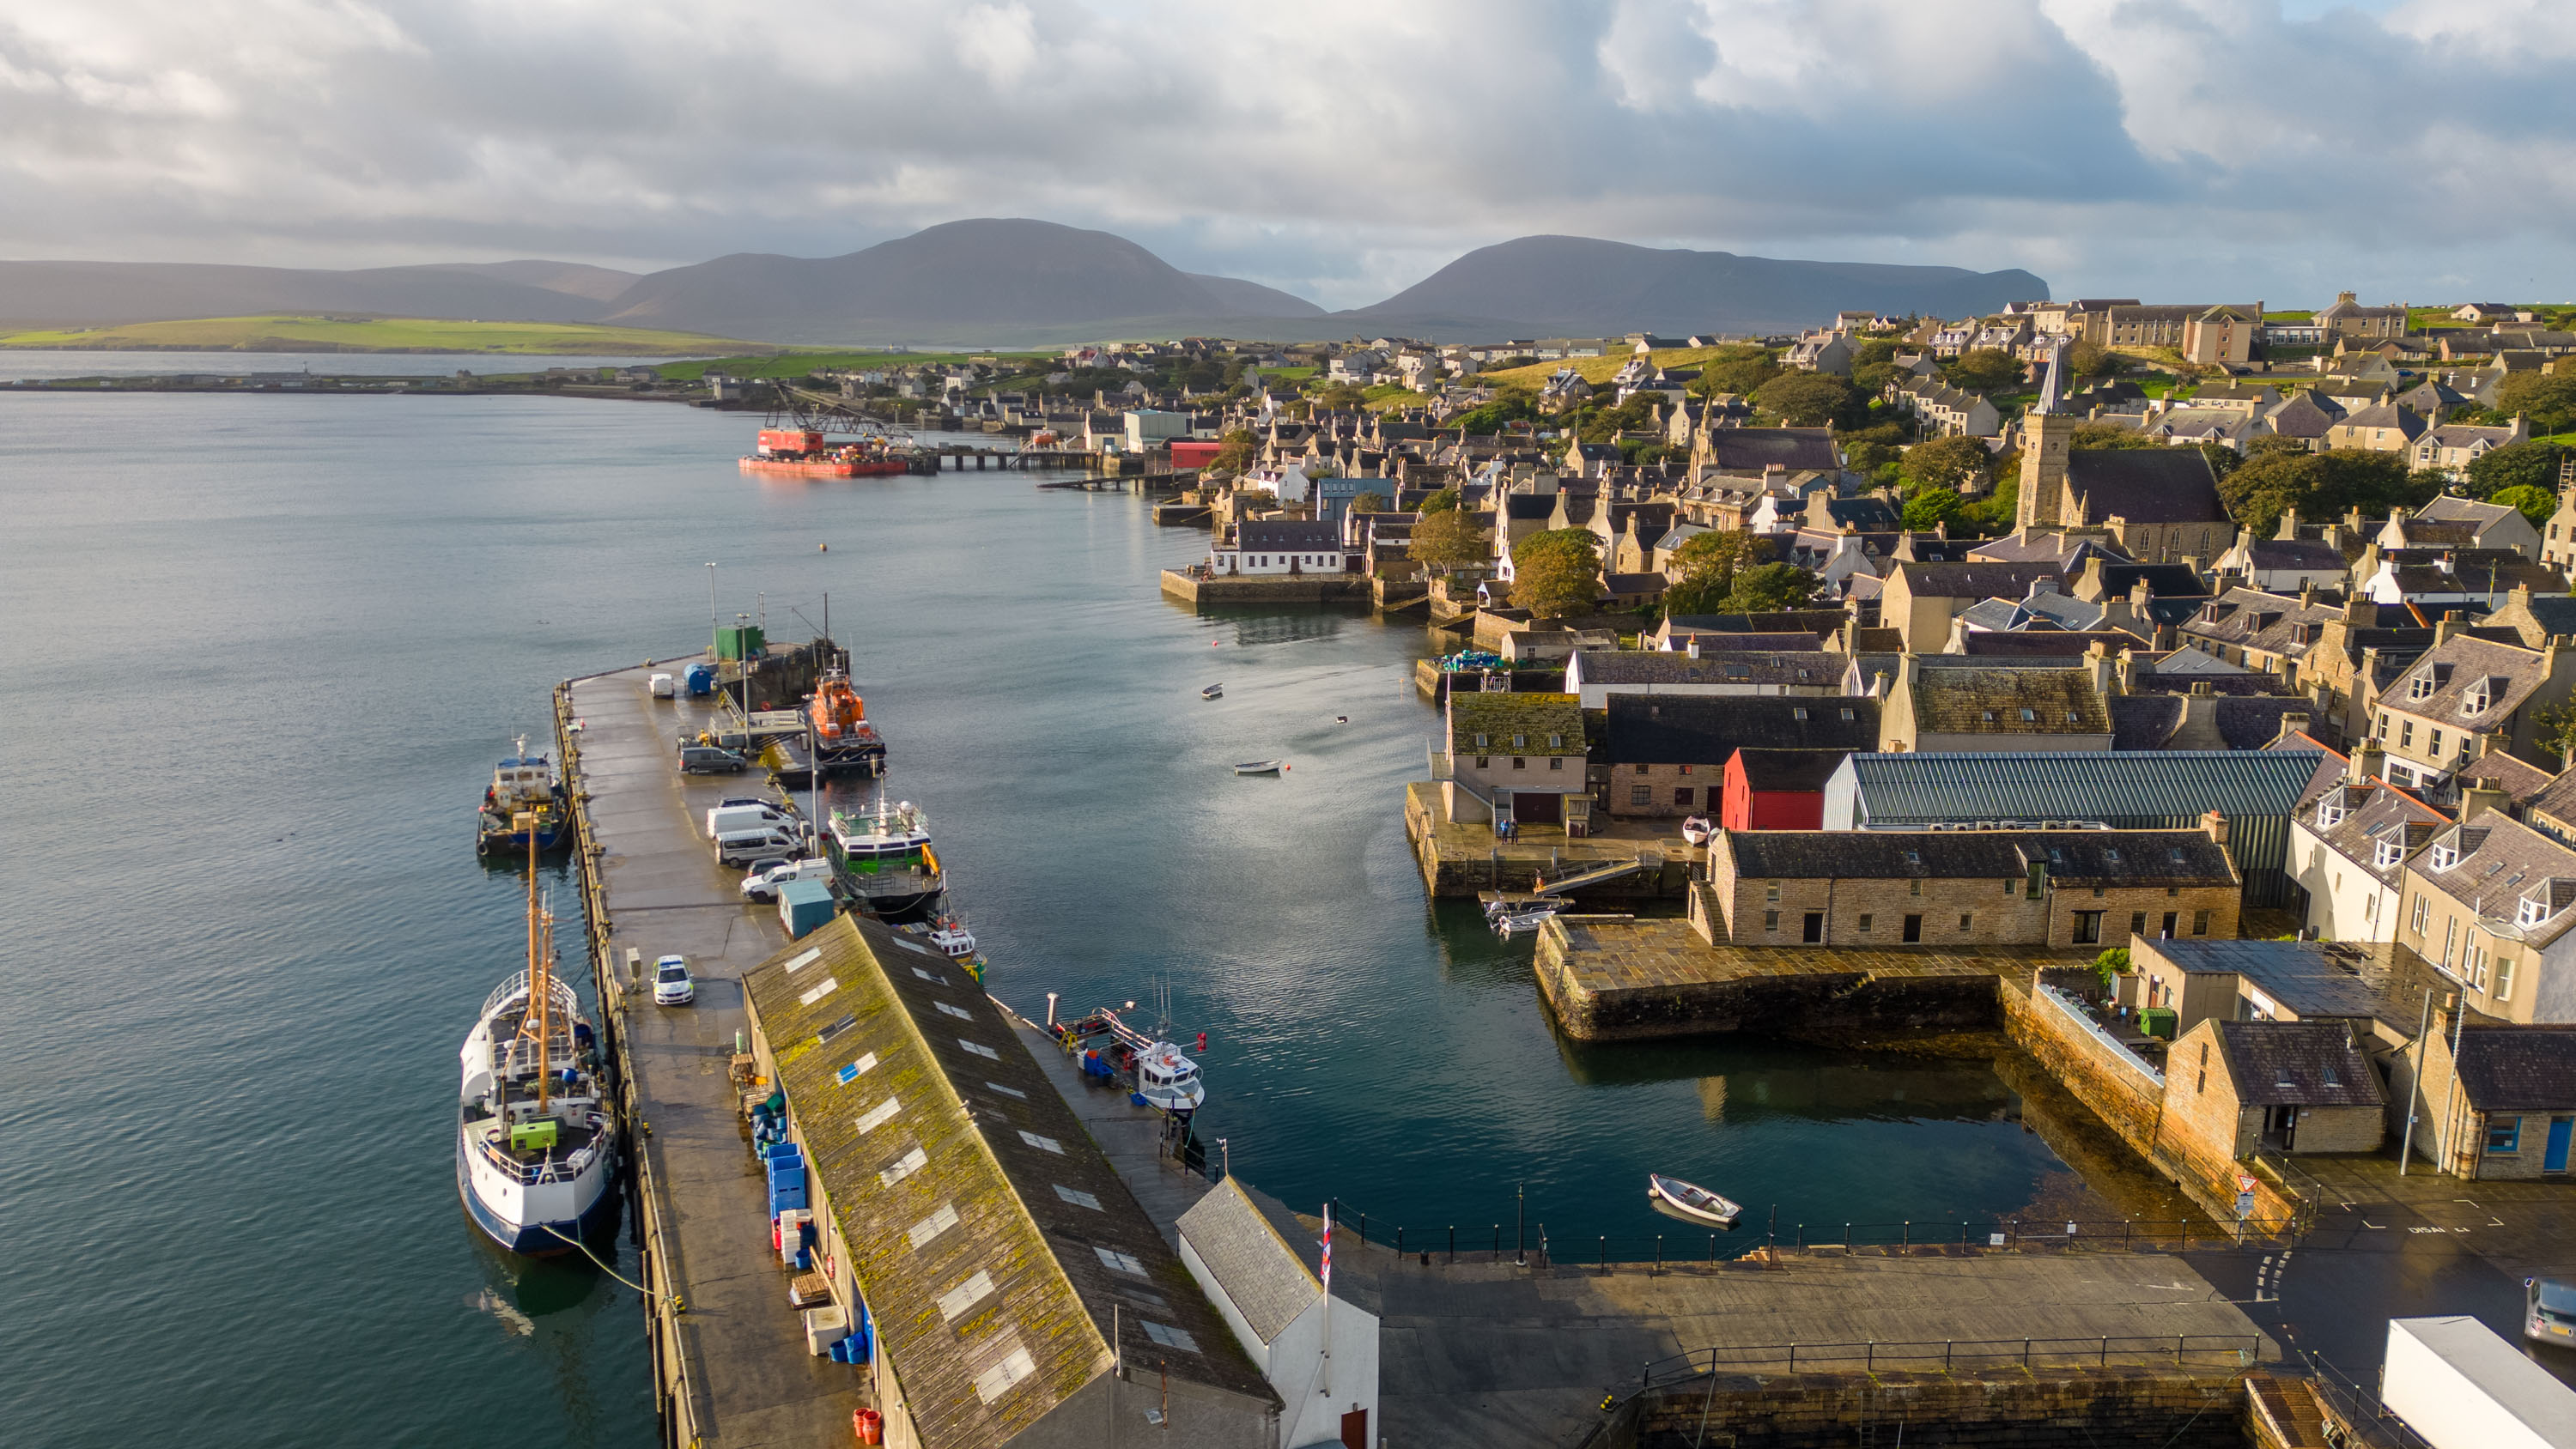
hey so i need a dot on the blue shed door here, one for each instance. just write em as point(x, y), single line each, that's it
point(2556, 1159)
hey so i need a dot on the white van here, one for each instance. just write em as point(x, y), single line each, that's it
point(763, 882)
point(727, 818)
point(740, 848)
point(664, 686)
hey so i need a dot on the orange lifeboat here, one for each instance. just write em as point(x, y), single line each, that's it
point(836, 710)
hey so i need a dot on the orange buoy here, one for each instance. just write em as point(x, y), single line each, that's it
point(823, 548)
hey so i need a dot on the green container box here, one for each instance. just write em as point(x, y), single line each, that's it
point(739, 641)
point(2156, 1021)
point(535, 1136)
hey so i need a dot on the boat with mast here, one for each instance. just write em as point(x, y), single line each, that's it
point(536, 1136)
point(836, 721)
point(1149, 1065)
point(523, 785)
point(887, 868)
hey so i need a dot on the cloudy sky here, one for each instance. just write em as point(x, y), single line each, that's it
point(2172, 149)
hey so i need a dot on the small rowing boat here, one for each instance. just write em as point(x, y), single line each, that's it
point(1259, 767)
point(1697, 1204)
point(1213, 691)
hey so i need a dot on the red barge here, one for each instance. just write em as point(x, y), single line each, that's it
point(801, 452)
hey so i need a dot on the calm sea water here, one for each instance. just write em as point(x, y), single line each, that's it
point(261, 657)
point(17, 363)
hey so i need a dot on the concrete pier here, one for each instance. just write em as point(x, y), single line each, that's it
point(730, 1360)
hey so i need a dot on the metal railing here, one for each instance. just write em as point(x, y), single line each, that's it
point(2214, 1350)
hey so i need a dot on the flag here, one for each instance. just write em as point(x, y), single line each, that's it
point(1328, 1247)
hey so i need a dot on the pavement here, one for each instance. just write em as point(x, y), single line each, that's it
point(2389, 1246)
point(755, 1381)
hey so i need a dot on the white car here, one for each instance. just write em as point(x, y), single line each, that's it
point(671, 983)
point(764, 880)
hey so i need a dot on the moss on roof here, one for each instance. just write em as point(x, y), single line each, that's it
point(1533, 717)
point(2008, 701)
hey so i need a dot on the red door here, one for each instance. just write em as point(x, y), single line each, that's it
point(1355, 1429)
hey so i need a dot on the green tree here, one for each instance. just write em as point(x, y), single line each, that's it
point(1443, 500)
point(1343, 395)
point(1449, 540)
point(1557, 572)
point(1739, 370)
point(2548, 399)
point(1235, 452)
point(1369, 503)
point(1946, 463)
point(2537, 504)
point(2091, 359)
point(1985, 369)
point(1809, 399)
point(2553, 730)
point(1714, 558)
point(2517, 465)
point(1509, 406)
point(1926, 507)
point(1766, 588)
point(2319, 485)
point(1868, 455)
point(2090, 436)
point(1694, 594)
point(2110, 965)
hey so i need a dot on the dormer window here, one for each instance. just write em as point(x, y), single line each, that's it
point(2445, 856)
point(2477, 699)
point(2030, 716)
point(2421, 687)
point(2329, 815)
point(2531, 912)
point(2386, 854)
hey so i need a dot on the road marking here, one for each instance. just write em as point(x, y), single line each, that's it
point(2379, 1227)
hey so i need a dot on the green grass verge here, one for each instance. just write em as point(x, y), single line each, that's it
point(783, 363)
point(284, 332)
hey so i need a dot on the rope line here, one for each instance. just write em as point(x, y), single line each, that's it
point(603, 1267)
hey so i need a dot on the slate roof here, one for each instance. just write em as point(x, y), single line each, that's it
point(1533, 717)
point(2050, 643)
point(1717, 640)
point(1288, 535)
point(1715, 666)
point(1254, 1266)
point(2298, 1064)
point(2502, 861)
point(1754, 449)
point(2374, 813)
point(1972, 580)
point(1535, 507)
point(2164, 580)
point(1669, 729)
point(987, 1283)
point(2144, 485)
point(2519, 1068)
point(2112, 785)
point(2311, 555)
point(1863, 515)
point(2466, 671)
point(1789, 771)
point(2007, 702)
point(2130, 857)
point(2268, 623)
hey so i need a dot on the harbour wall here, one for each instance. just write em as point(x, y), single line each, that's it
point(1874, 992)
point(2112, 1407)
point(1268, 589)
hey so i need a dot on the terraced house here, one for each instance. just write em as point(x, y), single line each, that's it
point(2349, 845)
point(2466, 697)
point(1517, 759)
point(2488, 903)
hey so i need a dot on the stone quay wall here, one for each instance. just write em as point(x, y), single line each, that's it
point(2105, 1408)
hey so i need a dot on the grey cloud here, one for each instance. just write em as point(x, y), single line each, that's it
point(1338, 149)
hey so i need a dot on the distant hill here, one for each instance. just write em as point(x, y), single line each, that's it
point(1580, 286)
point(1003, 277)
point(994, 282)
point(100, 294)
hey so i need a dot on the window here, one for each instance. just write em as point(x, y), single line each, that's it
point(2200, 923)
point(1484, 762)
point(2445, 856)
point(1771, 892)
point(2433, 744)
point(1520, 762)
point(2030, 716)
point(1686, 769)
point(1641, 795)
point(2329, 815)
point(1043, 1144)
point(2504, 1134)
point(2420, 687)
point(1799, 712)
point(2503, 989)
point(1683, 795)
point(2011, 884)
point(2137, 923)
point(1967, 919)
point(1864, 923)
point(1520, 742)
point(1556, 742)
point(1118, 1262)
point(2416, 922)
point(965, 1295)
point(1914, 887)
point(2384, 854)
point(1913, 928)
point(1169, 1337)
point(1641, 769)
point(1077, 1197)
point(1556, 762)
point(1771, 920)
point(2088, 927)
point(2380, 732)
point(2530, 912)
point(2406, 734)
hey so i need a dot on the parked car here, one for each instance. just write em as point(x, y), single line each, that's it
point(708, 760)
point(763, 882)
point(671, 983)
point(2549, 1310)
point(739, 848)
point(748, 815)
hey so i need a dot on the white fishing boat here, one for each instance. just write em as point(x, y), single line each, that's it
point(1696, 830)
point(1151, 1067)
point(1518, 923)
point(1685, 1200)
point(950, 935)
point(1260, 767)
point(1213, 691)
point(536, 1135)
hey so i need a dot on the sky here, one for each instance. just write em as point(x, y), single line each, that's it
point(2174, 150)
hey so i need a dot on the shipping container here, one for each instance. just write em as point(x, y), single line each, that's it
point(790, 440)
point(2459, 1385)
point(804, 905)
point(739, 641)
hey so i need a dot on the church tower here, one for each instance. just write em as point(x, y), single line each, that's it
point(2043, 470)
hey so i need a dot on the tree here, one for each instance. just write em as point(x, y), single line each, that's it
point(1928, 507)
point(1946, 463)
point(2537, 504)
point(1369, 503)
point(2093, 436)
point(1557, 572)
point(2319, 485)
point(1808, 399)
point(1510, 405)
point(2517, 465)
point(2091, 359)
point(1768, 588)
point(1448, 540)
point(1694, 594)
point(1739, 370)
point(1235, 452)
point(2548, 399)
point(1714, 559)
point(1444, 500)
point(1985, 369)
point(1342, 395)
point(2554, 729)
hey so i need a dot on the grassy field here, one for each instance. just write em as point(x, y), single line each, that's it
point(289, 333)
point(1596, 369)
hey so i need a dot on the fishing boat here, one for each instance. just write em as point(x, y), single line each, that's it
point(1152, 1069)
point(887, 867)
point(1213, 691)
point(536, 1136)
point(1520, 922)
point(525, 803)
point(948, 932)
point(1695, 829)
point(837, 724)
point(1685, 1200)
point(1259, 767)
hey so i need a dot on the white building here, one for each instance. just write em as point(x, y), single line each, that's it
point(1319, 1351)
point(2349, 844)
point(1279, 546)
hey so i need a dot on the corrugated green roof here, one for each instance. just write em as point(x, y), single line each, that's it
point(1918, 789)
point(989, 1236)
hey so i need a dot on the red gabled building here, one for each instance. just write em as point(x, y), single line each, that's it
point(1777, 789)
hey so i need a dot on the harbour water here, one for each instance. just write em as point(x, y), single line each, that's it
point(262, 657)
point(22, 363)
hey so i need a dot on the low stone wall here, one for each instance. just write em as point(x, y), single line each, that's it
point(2108, 1408)
point(1643, 980)
point(1266, 589)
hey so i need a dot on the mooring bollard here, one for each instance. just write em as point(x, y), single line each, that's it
point(1453, 1242)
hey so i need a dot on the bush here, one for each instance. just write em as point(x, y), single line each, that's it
point(2517, 465)
point(1985, 369)
point(2548, 399)
point(1810, 400)
point(2537, 504)
point(1946, 463)
point(1557, 572)
point(2320, 485)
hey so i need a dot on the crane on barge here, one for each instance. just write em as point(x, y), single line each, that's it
point(795, 438)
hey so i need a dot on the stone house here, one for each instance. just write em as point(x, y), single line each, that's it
point(2068, 889)
point(2466, 697)
point(2346, 317)
point(2504, 1106)
point(2452, 447)
point(2222, 334)
point(2452, 522)
point(1518, 759)
point(2235, 1088)
point(1920, 599)
point(2487, 903)
point(1664, 756)
point(1956, 708)
point(2381, 428)
point(2159, 504)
